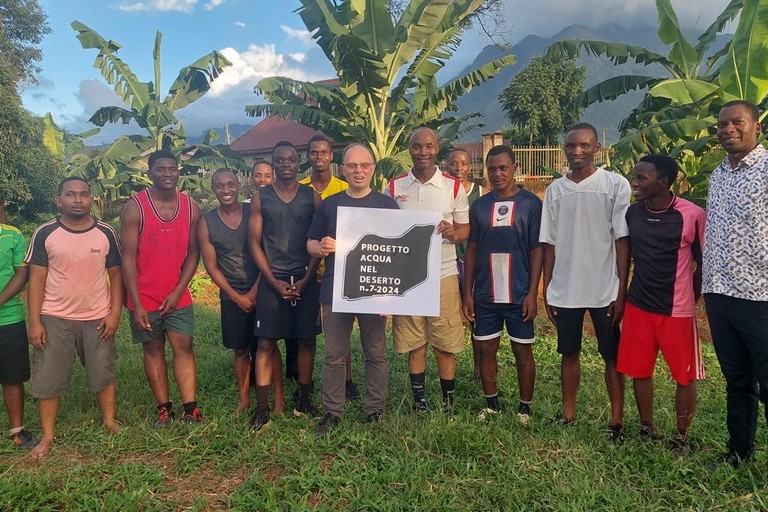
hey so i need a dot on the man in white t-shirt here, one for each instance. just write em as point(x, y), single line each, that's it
point(586, 264)
point(426, 188)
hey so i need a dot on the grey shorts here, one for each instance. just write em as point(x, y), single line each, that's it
point(65, 339)
point(181, 321)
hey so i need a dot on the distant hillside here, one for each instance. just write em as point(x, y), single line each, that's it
point(605, 116)
point(235, 131)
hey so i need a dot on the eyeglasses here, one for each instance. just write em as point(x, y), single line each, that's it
point(366, 166)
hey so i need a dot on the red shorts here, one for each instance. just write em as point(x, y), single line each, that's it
point(642, 335)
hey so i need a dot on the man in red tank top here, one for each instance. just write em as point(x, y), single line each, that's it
point(158, 229)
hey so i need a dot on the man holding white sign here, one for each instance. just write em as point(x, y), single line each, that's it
point(426, 188)
point(357, 166)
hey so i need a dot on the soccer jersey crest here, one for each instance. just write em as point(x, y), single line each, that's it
point(503, 214)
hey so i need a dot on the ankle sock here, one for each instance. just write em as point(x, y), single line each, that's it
point(492, 401)
point(189, 407)
point(417, 386)
point(16, 430)
point(167, 405)
point(262, 396)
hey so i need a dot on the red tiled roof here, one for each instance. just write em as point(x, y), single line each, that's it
point(271, 130)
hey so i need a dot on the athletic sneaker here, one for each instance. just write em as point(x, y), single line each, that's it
point(374, 417)
point(328, 423)
point(165, 416)
point(260, 419)
point(559, 419)
point(649, 433)
point(680, 445)
point(420, 407)
point(304, 406)
point(351, 393)
point(486, 414)
point(193, 418)
point(523, 413)
point(616, 433)
point(24, 439)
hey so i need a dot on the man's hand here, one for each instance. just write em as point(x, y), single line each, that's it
point(446, 230)
point(468, 307)
point(170, 302)
point(245, 301)
point(551, 312)
point(110, 324)
point(286, 290)
point(327, 245)
point(616, 309)
point(37, 335)
point(530, 307)
point(141, 318)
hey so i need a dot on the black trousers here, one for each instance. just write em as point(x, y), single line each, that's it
point(740, 336)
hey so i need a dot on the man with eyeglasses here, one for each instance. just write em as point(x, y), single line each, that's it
point(287, 298)
point(426, 188)
point(358, 168)
point(158, 234)
point(320, 156)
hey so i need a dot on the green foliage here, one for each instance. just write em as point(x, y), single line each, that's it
point(119, 171)
point(22, 27)
point(536, 100)
point(405, 463)
point(29, 174)
point(678, 112)
point(386, 69)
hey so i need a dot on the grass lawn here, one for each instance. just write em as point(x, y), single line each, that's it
point(404, 463)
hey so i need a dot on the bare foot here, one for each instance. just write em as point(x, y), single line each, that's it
point(113, 427)
point(279, 408)
point(243, 405)
point(41, 450)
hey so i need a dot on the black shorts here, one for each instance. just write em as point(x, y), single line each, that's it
point(237, 326)
point(277, 318)
point(570, 326)
point(14, 354)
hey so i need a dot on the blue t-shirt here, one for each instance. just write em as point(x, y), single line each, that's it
point(505, 231)
point(324, 224)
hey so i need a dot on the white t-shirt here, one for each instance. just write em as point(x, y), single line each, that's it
point(583, 221)
point(441, 193)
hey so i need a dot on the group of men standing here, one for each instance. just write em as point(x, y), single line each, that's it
point(264, 254)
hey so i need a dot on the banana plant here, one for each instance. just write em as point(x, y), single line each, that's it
point(386, 71)
point(119, 170)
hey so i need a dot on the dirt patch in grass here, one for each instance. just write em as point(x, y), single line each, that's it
point(206, 483)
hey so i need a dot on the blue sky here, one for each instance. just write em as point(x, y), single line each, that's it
point(262, 38)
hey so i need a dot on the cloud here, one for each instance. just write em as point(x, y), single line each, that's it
point(240, 24)
point(162, 5)
point(213, 4)
point(303, 35)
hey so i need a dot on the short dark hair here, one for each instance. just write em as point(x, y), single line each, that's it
point(751, 108)
point(283, 144)
point(72, 178)
point(665, 166)
point(584, 126)
point(460, 150)
point(261, 162)
point(222, 170)
point(157, 155)
point(501, 150)
point(318, 138)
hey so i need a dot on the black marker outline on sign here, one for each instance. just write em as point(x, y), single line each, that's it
point(430, 247)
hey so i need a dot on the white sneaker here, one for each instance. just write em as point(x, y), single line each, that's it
point(523, 419)
point(486, 414)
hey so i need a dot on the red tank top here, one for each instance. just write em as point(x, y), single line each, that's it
point(163, 246)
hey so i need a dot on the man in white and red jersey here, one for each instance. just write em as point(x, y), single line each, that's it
point(666, 235)
point(426, 188)
point(158, 230)
point(73, 309)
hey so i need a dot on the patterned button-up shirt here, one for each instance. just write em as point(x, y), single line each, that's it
point(736, 234)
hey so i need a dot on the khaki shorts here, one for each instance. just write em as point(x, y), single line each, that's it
point(66, 339)
point(445, 332)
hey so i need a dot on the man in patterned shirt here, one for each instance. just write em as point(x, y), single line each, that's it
point(735, 276)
